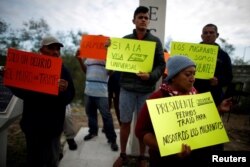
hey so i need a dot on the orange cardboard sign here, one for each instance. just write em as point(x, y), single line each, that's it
point(166, 57)
point(32, 71)
point(92, 46)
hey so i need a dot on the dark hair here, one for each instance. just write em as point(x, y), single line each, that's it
point(140, 9)
point(211, 25)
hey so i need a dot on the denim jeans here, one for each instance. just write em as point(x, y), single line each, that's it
point(101, 103)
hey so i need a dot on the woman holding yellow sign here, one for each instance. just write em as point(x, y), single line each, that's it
point(180, 80)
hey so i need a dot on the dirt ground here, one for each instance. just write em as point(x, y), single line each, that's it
point(237, 126)
point(238, 130)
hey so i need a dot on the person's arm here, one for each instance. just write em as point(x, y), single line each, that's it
point(227, 74)
point(144, 129)
point(81, 61)
point(185, 151)
point(110, 72)
point(2, 70)
point(67, 88)
point(225, 105)
point(149, 139)
point(159, 63)
point(143, 124)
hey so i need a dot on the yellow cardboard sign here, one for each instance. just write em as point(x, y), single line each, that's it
point(204, 56)
point(130, 55)
point(190, 119)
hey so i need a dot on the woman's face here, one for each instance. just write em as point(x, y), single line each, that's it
point(184, 80)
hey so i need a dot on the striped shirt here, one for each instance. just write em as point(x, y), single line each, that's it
point(96, 78)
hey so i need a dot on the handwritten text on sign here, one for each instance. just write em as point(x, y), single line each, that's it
point(190, 119)
point(204, 56)
point(32, 71)
point(130, 55)
point(93, 46)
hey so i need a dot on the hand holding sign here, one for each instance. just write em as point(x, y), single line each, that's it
point(190, 119)
point(143, 75)
point(129, 55)
point(63, 85)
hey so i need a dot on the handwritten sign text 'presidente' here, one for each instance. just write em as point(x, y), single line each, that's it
point(130, 55)
point(190, 119)
point(32, 71)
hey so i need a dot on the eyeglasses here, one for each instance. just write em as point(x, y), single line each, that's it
point(143, 17)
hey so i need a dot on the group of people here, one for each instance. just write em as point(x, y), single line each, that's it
point(180, 80)
point(44, 115)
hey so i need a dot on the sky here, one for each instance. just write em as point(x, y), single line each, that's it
point(184, 18)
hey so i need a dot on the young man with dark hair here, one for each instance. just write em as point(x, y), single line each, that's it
point(135, 88)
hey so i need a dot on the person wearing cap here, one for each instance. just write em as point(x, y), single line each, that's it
point(68, 127)
point(179, 81)
point(43, 114)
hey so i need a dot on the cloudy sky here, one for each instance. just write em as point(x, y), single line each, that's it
point(184, 18)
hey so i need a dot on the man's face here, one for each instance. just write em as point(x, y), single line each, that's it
point(141, 21)
point(51, 50)
point(209, 35)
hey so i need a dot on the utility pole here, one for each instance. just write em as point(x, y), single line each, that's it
point(244, 53)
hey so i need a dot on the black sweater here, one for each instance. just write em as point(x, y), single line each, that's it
point(223, 72)
point(43, 114)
